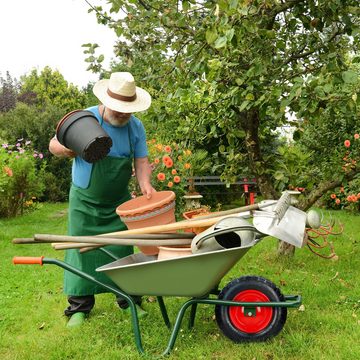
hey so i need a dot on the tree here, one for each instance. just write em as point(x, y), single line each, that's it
point(50, 88)
point(229, 72)
point(8, 93)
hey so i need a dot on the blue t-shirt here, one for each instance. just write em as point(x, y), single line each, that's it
point(81, 169)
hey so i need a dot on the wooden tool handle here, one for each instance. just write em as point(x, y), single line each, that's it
point(180, 225)
point(169, 242)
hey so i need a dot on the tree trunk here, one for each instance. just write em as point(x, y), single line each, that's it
point(250, 123)
point(285, 249)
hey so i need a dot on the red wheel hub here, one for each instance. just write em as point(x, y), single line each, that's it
point(250, 323)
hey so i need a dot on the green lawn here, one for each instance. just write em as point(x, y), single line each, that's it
point(32, 325)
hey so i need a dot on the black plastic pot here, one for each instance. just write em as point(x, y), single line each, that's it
point(80, 131)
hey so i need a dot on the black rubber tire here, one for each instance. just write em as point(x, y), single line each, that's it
point(231, 290)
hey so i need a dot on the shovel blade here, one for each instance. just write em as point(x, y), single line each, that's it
point(290, 229)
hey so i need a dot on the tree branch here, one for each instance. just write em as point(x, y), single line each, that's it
point(307, 53)
point(316, 194)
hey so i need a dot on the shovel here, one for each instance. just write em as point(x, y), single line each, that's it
point(282, 221)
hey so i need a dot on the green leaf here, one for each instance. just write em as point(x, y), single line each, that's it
point(244, 105)
point(319, 91)
point(185, 5)
point(211, 35)
point(233, 4)
point(349, 77)
point(220, 42)
point(229, 34)
point(250, 97)
point(278, 175)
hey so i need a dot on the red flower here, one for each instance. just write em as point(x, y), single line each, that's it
point(170, 184)
point(333, 196)
point(161, 176)
point(356, 136)
point(173, 172)
point(167, 148)
point(8, 171)
point(169, 163)
point(177, 179)
point(337, 201)
point(165, 159)
point(347, 143)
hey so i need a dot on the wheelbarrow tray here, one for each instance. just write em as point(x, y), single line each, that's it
point(189, 276)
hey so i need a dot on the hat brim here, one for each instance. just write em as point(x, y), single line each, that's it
point(141, 103)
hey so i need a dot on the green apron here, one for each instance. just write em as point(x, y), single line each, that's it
point(92, 212)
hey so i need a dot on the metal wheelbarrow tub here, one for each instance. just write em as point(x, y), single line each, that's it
point(190, 276)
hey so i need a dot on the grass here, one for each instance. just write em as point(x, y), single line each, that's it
point(32, 324)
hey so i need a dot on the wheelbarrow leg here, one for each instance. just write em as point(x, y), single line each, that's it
point(164, 311)
point(130, 301)
point(192, 315)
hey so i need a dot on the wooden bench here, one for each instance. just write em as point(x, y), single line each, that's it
point(248, 185)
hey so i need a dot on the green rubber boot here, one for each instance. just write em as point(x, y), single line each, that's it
point(140, 311)
point(76, 320)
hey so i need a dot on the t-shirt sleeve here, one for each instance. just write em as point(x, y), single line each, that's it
point(140, 145)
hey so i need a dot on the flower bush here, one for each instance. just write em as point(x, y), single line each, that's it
point(21, 177)
point(348, 195)
point(172, 166)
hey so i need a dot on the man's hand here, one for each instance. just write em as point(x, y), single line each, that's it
point(143, 175)
point(147, 190)
point(59, 150)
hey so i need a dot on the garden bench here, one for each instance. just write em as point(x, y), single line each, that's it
point(248, 185)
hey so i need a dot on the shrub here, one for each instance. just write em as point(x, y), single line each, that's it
point(28, 122)
point(21, 177)
point(348, 195)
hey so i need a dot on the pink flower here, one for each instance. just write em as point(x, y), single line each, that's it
point(347, 143)
point(5, 146)
point(18, 145)
point(35, 155)
point(356, 136)
point(41, 156)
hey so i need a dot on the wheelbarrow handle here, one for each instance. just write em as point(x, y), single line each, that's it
point(27, 260)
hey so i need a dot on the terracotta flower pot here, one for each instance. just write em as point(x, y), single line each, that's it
point(196, 213)
point(171, 252)
point(142, 212)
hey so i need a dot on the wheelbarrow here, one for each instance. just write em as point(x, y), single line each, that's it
point(249, 308)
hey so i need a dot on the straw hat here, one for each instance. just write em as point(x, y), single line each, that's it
point(119, 93)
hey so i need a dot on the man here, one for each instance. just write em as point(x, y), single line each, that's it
point(98, 188)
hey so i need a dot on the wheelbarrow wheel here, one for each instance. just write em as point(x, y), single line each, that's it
point(246, 324)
